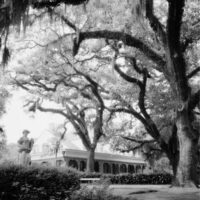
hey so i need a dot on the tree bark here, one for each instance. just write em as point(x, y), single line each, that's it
point(185, 164)
point(183, 152)
point(184, 159)
point(186, 171)
point(173, 152)
point(90, 160)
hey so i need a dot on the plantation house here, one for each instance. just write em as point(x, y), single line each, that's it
point(74, 155)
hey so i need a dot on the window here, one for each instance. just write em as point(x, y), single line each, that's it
point(115, 168)
point(82, 165)
point(131, 169)
point(73, 163)
point(106, 168)
point(123, 168)
point(96, 166)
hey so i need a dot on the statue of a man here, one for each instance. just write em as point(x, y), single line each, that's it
point(25, 147)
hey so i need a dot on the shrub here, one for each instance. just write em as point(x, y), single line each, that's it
point(162, 166)
point(134, 178)
point(141, 179)
point(98, 192)
point(91, 175)
point(17, 182)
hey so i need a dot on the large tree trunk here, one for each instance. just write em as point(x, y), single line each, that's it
point(173, 152)
point(185, 164)
point(90, 160)
point(185, 168)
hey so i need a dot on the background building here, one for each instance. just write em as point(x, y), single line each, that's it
point(72, 153)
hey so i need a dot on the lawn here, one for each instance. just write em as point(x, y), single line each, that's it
point(155, 192)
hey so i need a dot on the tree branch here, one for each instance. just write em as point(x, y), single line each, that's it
point(133, 149)
point(64, 19)
point(130, 111)
point(154, 22)
point(41, 85)
point(18, 83)
point(142, 93)
point(175, 14)
point(136, 140)
point(134, 64)
point(84, 137)
point(127, 40)
point(98, 123)
point(126, 77)
point(193, 73)
point(147, 121)
point(195, 100)
point(53, 3)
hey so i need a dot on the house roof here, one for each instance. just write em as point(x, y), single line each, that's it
point(72, 153)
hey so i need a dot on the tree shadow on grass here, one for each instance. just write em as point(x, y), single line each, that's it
point(143, 192)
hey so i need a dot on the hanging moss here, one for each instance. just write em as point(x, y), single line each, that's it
point(139, 7)
point(53, 3)
point(19, 11)
point(15, 12)
point(6, 56)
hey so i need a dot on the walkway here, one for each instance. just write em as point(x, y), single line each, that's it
point(155, 192)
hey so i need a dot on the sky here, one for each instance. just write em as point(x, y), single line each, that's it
point(39, 124)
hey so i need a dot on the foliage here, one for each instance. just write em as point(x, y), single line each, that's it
point(156, 178)
point(18, 182)
point(58, 136)
point(97, 192)
point(161, 165)
point(155, 65)
point(142, 179)
point(4, 95)
point(58, 78)
point(17, 13)
point(10, 154)
point(3, 148)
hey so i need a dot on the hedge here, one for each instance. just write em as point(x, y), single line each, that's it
point(133, 178)
point(17, 182)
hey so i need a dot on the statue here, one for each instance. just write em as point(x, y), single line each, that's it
point(25, 147)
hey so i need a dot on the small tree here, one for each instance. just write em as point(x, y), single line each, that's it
point(58, 136)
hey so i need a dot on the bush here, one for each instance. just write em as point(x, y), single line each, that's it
point(142, 179)
point(91, 175)
point(98, 192)
point(162, 166)
point(17, 182)
point(134, 178)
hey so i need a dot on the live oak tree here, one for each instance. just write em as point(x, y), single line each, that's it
point(131, 136)
point(171, 62)
point(175, 37)
point(56, 77)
